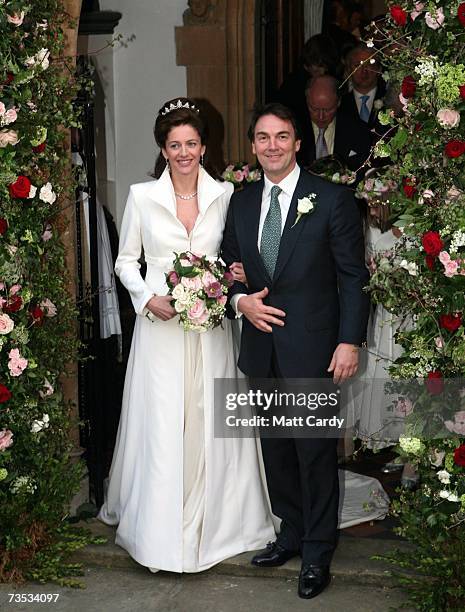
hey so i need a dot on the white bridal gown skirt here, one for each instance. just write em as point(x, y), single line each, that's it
point(183, 499)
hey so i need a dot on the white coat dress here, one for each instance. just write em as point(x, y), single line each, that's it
point(183, 500)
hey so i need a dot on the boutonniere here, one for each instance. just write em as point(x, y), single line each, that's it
point(305, 206)
point(378, 104)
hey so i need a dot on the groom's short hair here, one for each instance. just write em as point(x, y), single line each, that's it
point(278, 110)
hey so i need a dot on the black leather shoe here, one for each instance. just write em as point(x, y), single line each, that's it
point(313, 580)
point(273, 556)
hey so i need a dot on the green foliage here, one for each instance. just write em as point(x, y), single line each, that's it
point(423, 279)
point(37, 315)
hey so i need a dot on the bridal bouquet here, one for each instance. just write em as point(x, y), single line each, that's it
point(199, 289)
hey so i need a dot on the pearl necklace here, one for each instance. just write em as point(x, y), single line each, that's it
point(189, 196)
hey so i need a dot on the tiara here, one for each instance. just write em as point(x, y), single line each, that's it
point(175, 106)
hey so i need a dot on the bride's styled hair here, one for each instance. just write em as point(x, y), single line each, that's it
point(179, 111)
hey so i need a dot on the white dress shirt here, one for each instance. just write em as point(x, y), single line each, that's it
point(370, 101)
point(287, 185)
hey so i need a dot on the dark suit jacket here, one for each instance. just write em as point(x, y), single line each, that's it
point(349, 106)
point(318, 280)
point(351, 135)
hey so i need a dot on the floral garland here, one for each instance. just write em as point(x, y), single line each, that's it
point(37, 317)
point(422, 44)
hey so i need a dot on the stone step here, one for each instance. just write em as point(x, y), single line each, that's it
point(352, 564)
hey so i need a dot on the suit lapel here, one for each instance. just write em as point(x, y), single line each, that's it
point(290, 233)
point(251, 221)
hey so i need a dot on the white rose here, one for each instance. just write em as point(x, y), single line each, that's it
point(378, 104)
point(32, 192)
point(411, 267)
point(42, 58)
point(304, 205)
point(444, 476)
point(6, 324)
point(178, 292)
point(180, 306)
point(46, 194)
point(36, 426)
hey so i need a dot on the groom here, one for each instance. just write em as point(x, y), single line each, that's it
point(304, 316)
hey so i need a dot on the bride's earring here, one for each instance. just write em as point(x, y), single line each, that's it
point(167, 164)
point(201, 160)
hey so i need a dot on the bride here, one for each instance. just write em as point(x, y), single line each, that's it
point(183, 500)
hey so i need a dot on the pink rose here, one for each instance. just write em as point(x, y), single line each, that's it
point(8, 137)
point(16, 19)
point(238, 176)
point(198, 313)
point(49, 307)
point(17, 364)
point(458, 424)
point(191, 283)
point(208, 278)
point(435, 21)
point(245, 171)
point(214, 290)
point(6, 439)
point(444, 257)
point(451, 268)
point(222, 300)
point(419, 7)
point(173, 278)
point(10, 116)
point(14, 289)
point(6, 324)
point(448, 118)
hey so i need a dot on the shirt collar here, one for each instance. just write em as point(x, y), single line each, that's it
point(288, 184)
point(371, 94)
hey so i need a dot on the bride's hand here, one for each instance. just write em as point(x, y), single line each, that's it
point(160, 306)
point(237, 270)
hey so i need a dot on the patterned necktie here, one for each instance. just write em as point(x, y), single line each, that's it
point(271, 232)
point(321, 149)
point(364, 110)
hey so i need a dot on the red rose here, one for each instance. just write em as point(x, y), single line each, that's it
point(9, 77)
point(40, 148)
point(14, 304)
point(3, 226)
point(430, 261)
point(434, 382)
point(20, 188)
point(408, 87)
point(5, 394)
point(455, 148)
point(432, 243)
point(409, 187)
point(451, 322)
point(461, 13)
point(462, 91)
point(459, 455)
point(37, 315)
point(399, 15)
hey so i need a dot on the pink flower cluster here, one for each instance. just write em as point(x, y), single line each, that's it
point(6, 439)
point(7, 116)
point(16, 364)
point(451, 266)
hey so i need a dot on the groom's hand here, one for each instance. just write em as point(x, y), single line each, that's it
point(344, 363)
point(260, 315)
